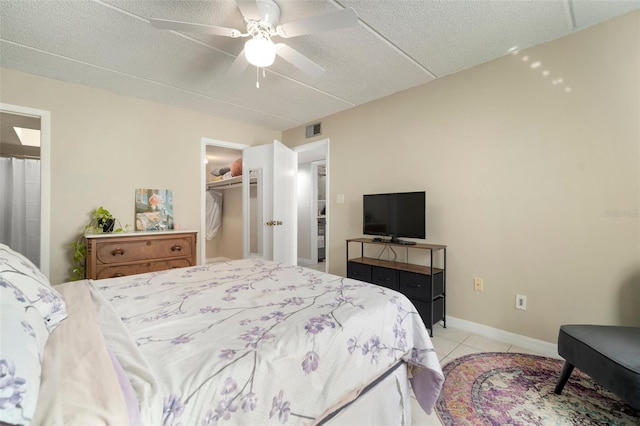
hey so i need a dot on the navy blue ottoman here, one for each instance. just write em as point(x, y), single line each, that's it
point(608, 354)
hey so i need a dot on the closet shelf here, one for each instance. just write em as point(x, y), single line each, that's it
point(233, 182)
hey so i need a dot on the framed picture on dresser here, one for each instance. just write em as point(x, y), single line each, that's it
point(154, 209)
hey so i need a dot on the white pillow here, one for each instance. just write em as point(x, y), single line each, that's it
point(23, 335)
point(18, 273)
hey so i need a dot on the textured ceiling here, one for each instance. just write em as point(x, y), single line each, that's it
point(110, 44)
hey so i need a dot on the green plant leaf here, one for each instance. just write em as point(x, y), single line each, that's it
point(98, 215)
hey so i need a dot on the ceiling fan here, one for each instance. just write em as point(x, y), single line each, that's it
point(262, 18)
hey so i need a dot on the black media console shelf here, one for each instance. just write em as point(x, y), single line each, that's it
point(424, 285)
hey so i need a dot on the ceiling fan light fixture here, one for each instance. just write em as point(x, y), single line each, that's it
point(260, 51)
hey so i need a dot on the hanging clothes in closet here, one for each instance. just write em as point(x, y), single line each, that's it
point(214, 214)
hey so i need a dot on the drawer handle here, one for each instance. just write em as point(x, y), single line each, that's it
point(414, 285)
point(176, 248)
point(118, 274)
point(117, 251)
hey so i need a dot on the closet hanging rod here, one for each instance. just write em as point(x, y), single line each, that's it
point(230, 186)
point(22, 156)
point(224, 184)
point(221, 188)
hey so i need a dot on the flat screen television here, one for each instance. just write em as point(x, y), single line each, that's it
point(395, 215)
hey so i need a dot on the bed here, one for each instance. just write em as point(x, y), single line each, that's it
point(243, 342)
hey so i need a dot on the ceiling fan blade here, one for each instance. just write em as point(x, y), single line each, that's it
point(249, 9)
point(331, 21)
point(165, 24)
point(298, 60)
point(239, 64)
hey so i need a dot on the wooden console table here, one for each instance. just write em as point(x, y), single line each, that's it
point(424, 285)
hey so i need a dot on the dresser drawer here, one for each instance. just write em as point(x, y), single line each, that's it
point(128, 251)
point(425, 309)
point(385, 277)
point(419, 285)
point(113, 271)
point(359, 271)
point(117, 255)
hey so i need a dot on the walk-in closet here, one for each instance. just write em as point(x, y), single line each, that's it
point(223, 220)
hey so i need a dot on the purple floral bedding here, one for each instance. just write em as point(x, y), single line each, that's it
point(257, 342)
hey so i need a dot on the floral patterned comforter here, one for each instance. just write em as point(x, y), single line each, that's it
point(257, 342)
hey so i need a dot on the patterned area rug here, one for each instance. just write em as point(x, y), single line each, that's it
point(517, 389)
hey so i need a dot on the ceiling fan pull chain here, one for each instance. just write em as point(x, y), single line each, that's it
point(264, 75)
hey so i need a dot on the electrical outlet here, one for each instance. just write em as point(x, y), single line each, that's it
point(478, 284)
point(521, 302)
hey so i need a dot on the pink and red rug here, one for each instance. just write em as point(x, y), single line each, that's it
point(517, 389)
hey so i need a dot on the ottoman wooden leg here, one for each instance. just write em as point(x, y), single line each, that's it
point(567, 369)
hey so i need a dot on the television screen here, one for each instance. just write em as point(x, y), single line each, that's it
point(400, 214)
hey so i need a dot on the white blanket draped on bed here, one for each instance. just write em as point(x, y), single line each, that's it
point(256, 342)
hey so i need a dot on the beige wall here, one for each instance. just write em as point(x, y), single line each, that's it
point(104, 146)
point(232, 228)
point(533, 188)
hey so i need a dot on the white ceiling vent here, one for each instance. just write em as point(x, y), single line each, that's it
point(313, 130)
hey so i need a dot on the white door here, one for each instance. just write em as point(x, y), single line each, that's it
point(269, 207)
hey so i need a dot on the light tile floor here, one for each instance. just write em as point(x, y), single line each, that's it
point(451, 343)
point(321, 266)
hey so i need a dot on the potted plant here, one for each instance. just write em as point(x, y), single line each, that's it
point(102, 222)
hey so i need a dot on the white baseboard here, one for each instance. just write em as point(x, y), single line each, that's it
point(538, 346)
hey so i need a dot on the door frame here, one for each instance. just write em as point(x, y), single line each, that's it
point(202, 252)
point(319, 151)
point(314, 209)
point(45, 178)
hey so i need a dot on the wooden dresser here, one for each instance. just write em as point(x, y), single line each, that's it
point(117, 255)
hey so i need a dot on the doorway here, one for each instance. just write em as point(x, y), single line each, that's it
point(313, 205)
point(221, 226)
point(316, 151)
point(35, 225)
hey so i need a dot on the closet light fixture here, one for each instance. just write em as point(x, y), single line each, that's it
point(28, 137)
point(260, 51)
